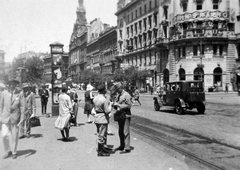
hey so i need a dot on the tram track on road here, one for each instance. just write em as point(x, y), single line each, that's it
point(202, 150)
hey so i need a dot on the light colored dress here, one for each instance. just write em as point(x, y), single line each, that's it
point(65, 106)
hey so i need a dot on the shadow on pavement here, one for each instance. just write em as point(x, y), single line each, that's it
point(36, 135)
point(70, 139)
point(27, 152)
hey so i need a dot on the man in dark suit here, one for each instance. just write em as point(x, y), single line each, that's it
point(43, 93)
point(12, 114)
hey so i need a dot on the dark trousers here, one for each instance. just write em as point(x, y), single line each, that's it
point(124, 133)
point(101, 133)
point(44, 106)
point(75, 112)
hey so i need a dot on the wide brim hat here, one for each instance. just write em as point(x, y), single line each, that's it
point(13, 80)
point(115, 87)
point(89, 87)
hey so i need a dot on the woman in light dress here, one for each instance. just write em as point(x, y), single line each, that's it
point(65, 109)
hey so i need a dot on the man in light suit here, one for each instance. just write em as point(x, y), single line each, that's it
point(12, 109)
point(30, 110)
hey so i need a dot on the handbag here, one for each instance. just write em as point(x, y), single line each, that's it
point(119, 116)
point(35, 121)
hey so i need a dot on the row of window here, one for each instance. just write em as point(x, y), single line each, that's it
point(217, 50)
point(142, 10)
point(199, 4)
point(142, 25)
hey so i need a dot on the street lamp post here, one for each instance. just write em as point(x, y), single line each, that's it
point(56, 58)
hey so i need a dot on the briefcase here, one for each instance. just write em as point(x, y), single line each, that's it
point(35, 121)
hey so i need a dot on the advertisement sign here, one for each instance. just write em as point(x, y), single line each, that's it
point(201, 15)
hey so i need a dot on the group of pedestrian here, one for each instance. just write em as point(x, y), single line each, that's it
point(17, 106)
point(120, 104)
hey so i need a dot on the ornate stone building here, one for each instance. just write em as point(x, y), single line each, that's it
point(198, 41)
point(108, 51)
point(137, 31)
point(78, 43)
point(94, 29)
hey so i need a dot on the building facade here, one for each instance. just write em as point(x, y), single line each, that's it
point(94, 29)
point(108, 51)
point(78, 43)
point(197, 41)
point(137, 34)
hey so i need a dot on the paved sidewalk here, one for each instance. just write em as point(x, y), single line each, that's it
point(45, 151)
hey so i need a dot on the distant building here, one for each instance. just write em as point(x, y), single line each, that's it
point(77, 46)
point(2, 66)
point(108, 51)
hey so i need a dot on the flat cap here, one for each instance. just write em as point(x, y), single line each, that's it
point(101, 87)
point(117, 85)
point(26, 85)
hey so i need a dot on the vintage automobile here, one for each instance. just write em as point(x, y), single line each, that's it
point(182, 95)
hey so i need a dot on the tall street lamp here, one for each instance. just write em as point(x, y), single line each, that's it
point(56, 58)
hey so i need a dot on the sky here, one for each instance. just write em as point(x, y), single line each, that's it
point(34, 24)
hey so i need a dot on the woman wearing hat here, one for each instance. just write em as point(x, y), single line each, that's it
point(65, 109)
point(88, 102)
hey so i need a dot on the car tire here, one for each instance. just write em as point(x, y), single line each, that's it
point(156, 106)
point(178, 107)
point(201, 108)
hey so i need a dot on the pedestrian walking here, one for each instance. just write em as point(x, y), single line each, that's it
point(102, 107)
point(44, 94)
point(88, 102)
point(74, 98)
point(12, 114)
point(30, 110)
point(136, 96)
point(2, 88)
point(123, 107)
point(65, 108)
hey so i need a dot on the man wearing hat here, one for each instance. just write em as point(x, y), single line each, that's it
point(43, 93)
point(30, 110)
point(123, 105)
point(102, 108)
point(12, 113)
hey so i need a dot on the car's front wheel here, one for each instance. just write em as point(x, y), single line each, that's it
point(178, 107)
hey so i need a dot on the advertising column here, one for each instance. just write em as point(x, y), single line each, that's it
point(56, 56)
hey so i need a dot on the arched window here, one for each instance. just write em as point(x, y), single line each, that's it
point(198, 74)
point(165, 76)
point(182, 74)
point(217, 76)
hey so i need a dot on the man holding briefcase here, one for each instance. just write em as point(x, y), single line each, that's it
point(30, 110)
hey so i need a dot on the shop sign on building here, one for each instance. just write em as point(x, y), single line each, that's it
point(200, 15)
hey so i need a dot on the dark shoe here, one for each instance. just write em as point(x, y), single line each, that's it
point(103, 154)
point(119, 148)
point(127, 150)
point(14, 156)
point(21, 137)
point(9, 153)
point(110, 133)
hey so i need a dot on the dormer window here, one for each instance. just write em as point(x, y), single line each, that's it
point(215, 4)
point(184, 4)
